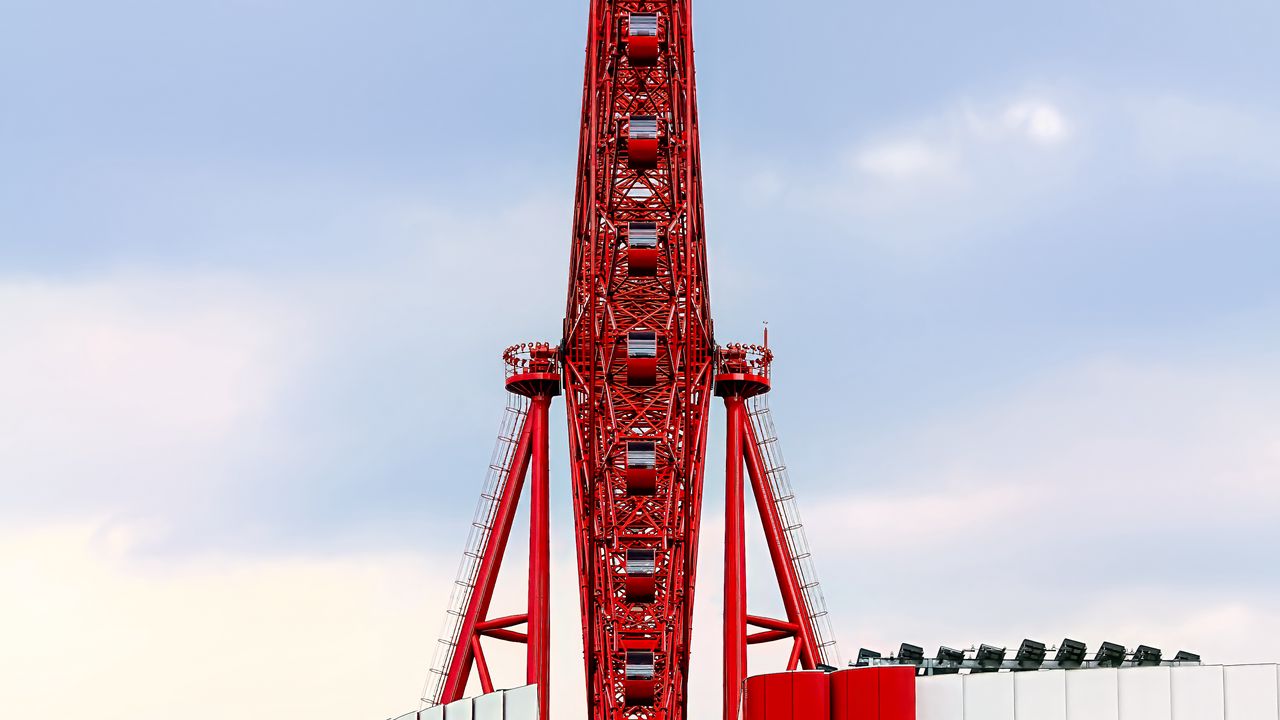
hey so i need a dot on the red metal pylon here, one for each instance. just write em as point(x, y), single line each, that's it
point(639, 365)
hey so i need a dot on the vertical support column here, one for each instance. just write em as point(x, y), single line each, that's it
point(735, 560)
point(538, 660)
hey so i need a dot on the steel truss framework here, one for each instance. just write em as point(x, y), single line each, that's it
point(638, 365)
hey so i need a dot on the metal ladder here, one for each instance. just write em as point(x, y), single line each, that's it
point(504, 451)
point(793, 528)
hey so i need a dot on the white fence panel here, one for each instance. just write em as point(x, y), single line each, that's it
point(1251, 692)
point(522, 703)
point(1197, 693)
point(489, 707)
point(1146, 694)
point(461, 710)
point(988, 696)
point(1093, 695)
point(1040, 695)
point(940, 697)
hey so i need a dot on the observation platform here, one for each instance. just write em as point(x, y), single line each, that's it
point(533, 370)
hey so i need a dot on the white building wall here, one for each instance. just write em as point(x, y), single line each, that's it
point(940, 698)
point(1245, 692)
point(1251, 692)
point(518, 704)
point(1040, 695)
point(1198, 694)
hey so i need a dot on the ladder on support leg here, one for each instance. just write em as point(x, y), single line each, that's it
point(504, 451)
point(793, 529)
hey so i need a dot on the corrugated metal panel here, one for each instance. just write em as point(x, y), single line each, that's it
point(988, 696)
point(753, 702)
point(1197, 693)
point(521, 703)
point(897, 693)
point(810, 695)
point(461, 710)
point(1040, 695)
point(489, 707)
point(777, 697)
point(1251, 692)
point(855, 694)
point(940, 698)
point(1146, 694)
point(1093, 695)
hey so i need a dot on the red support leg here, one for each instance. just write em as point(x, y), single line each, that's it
point(735, 588)
point(455, 684)
point(774, 532)
point(482, 665)
point(539, 651)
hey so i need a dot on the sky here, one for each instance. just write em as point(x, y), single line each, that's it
point(259, 258)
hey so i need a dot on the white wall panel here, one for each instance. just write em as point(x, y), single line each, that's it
point(1251, 692)
point(1146, 694)
point(435, 713)
point(1197, 693)
point(489, 707)
point(988, 696)
point(940, 697)
point(408, 716)
point(522, 703)
point(1040, 695)
point(1093, 695)
point(461, 710)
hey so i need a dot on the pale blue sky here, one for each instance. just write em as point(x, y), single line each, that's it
point(258, 259)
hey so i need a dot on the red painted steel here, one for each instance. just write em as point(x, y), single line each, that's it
point(623, 180)
point(855, 694)
point(735, 558)
point(538, 657)
point(639, 365)
point(897, 693)
point(788, 696)
point(784, 570)
point(455, 684)
point(532, 372)
point(876, 693)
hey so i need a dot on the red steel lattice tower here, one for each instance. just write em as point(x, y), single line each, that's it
point(638, 365)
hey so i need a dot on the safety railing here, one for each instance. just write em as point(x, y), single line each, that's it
point(792, 526)
point(500, 463)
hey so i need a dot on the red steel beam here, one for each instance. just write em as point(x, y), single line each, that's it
point(455, 685)
point(788, 582)
point(735, 560)
point(538, 660)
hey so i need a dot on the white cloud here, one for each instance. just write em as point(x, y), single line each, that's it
point(1175, 132)
point(1122, 499)
point(902, 160)
point(88, 630)
point(134, 388)
point(1038, 120)
point(915, 188)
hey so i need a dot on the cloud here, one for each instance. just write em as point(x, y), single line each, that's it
point(1126, 499)
point(984, 169)
point(1038, 120)
point(134, 391)
point(91, 631)
point(916, 187)
point(1175, 132)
